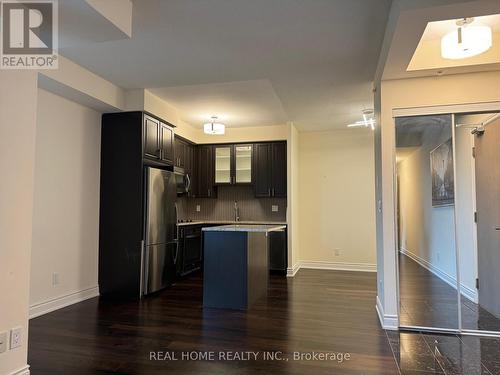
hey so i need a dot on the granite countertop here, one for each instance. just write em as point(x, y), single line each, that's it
point(246, 228)
point(229, 222)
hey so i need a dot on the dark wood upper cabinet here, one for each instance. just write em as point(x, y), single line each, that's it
point(151, 138)
point(166, 143)
point(158, 140)
point(270, 174)
point(189, 158)
point(262, 170)
point(180, 152)
point(205, 172)
point(278, 170)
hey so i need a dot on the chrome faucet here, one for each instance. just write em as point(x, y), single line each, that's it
point(236, 211)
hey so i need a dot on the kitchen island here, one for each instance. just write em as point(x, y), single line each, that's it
point(235, 268)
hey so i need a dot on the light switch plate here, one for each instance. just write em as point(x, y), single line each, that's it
point(274, 208)
point(15, 337)
point(3, 342)
point(198, 208)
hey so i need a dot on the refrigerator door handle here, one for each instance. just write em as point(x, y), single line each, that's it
point(143, 270)
point(188, 182)
point(176, 251)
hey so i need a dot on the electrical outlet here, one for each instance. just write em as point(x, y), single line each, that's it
point(15, 337)
point(55, 279)
point(3, 342)
point(274, 208)
point(337, 252)
point(198, 208)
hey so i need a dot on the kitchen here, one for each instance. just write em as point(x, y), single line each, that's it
point(161, 196)
point(129, 228)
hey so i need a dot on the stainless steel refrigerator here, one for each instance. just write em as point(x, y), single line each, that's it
point(160, 244)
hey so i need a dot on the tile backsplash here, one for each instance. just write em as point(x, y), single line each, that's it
point(222, 208)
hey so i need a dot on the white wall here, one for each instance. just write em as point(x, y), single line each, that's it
point(293, 208)
point(336, 198)
point(465, 205)
point(66, 201)
point(17, 157)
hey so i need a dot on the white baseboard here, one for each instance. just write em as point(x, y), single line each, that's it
point(467, 292)
point(339, 266)
point(470, 294)
point(389, 322)
point(333, 266)
point(62, 301)
point(291, 271)
point(22, 371)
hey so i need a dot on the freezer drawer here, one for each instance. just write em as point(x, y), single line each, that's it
point(160, 267)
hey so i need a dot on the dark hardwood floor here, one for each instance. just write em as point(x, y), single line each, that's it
point(427, 301)
point(322, 311)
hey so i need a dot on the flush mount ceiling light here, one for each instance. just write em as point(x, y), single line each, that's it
point(466, 41)
point(213, 127)
point(367, 122)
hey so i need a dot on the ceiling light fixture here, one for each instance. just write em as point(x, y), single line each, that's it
point(466, 41)
point(367, 122)
point(213, 127)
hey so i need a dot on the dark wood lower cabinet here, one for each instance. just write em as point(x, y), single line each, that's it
point(278, 251)
point(190, 249)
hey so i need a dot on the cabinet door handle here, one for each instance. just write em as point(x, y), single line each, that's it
point(209, 192)
point(273, 192)
point(269, 191)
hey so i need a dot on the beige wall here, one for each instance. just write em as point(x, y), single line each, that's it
point(407, 93)
point(336, 197)
point(66, 199)
point(248, 134)
point(17, 158)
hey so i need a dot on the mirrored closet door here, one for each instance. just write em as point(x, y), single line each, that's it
point(426, 238)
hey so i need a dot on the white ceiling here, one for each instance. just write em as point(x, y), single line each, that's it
point(438, 29)
point(259, 61)
point(410, 23)
point(247, 103)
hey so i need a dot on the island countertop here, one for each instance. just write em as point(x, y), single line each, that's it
point(230, 222)
point(245, 228)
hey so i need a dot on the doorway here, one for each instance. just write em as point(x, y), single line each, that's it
point(485, 307)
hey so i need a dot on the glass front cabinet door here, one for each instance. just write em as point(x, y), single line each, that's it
point(243, 164)
point(233, 164)
point(223, 165)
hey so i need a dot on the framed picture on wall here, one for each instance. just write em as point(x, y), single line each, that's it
point(443, 181)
